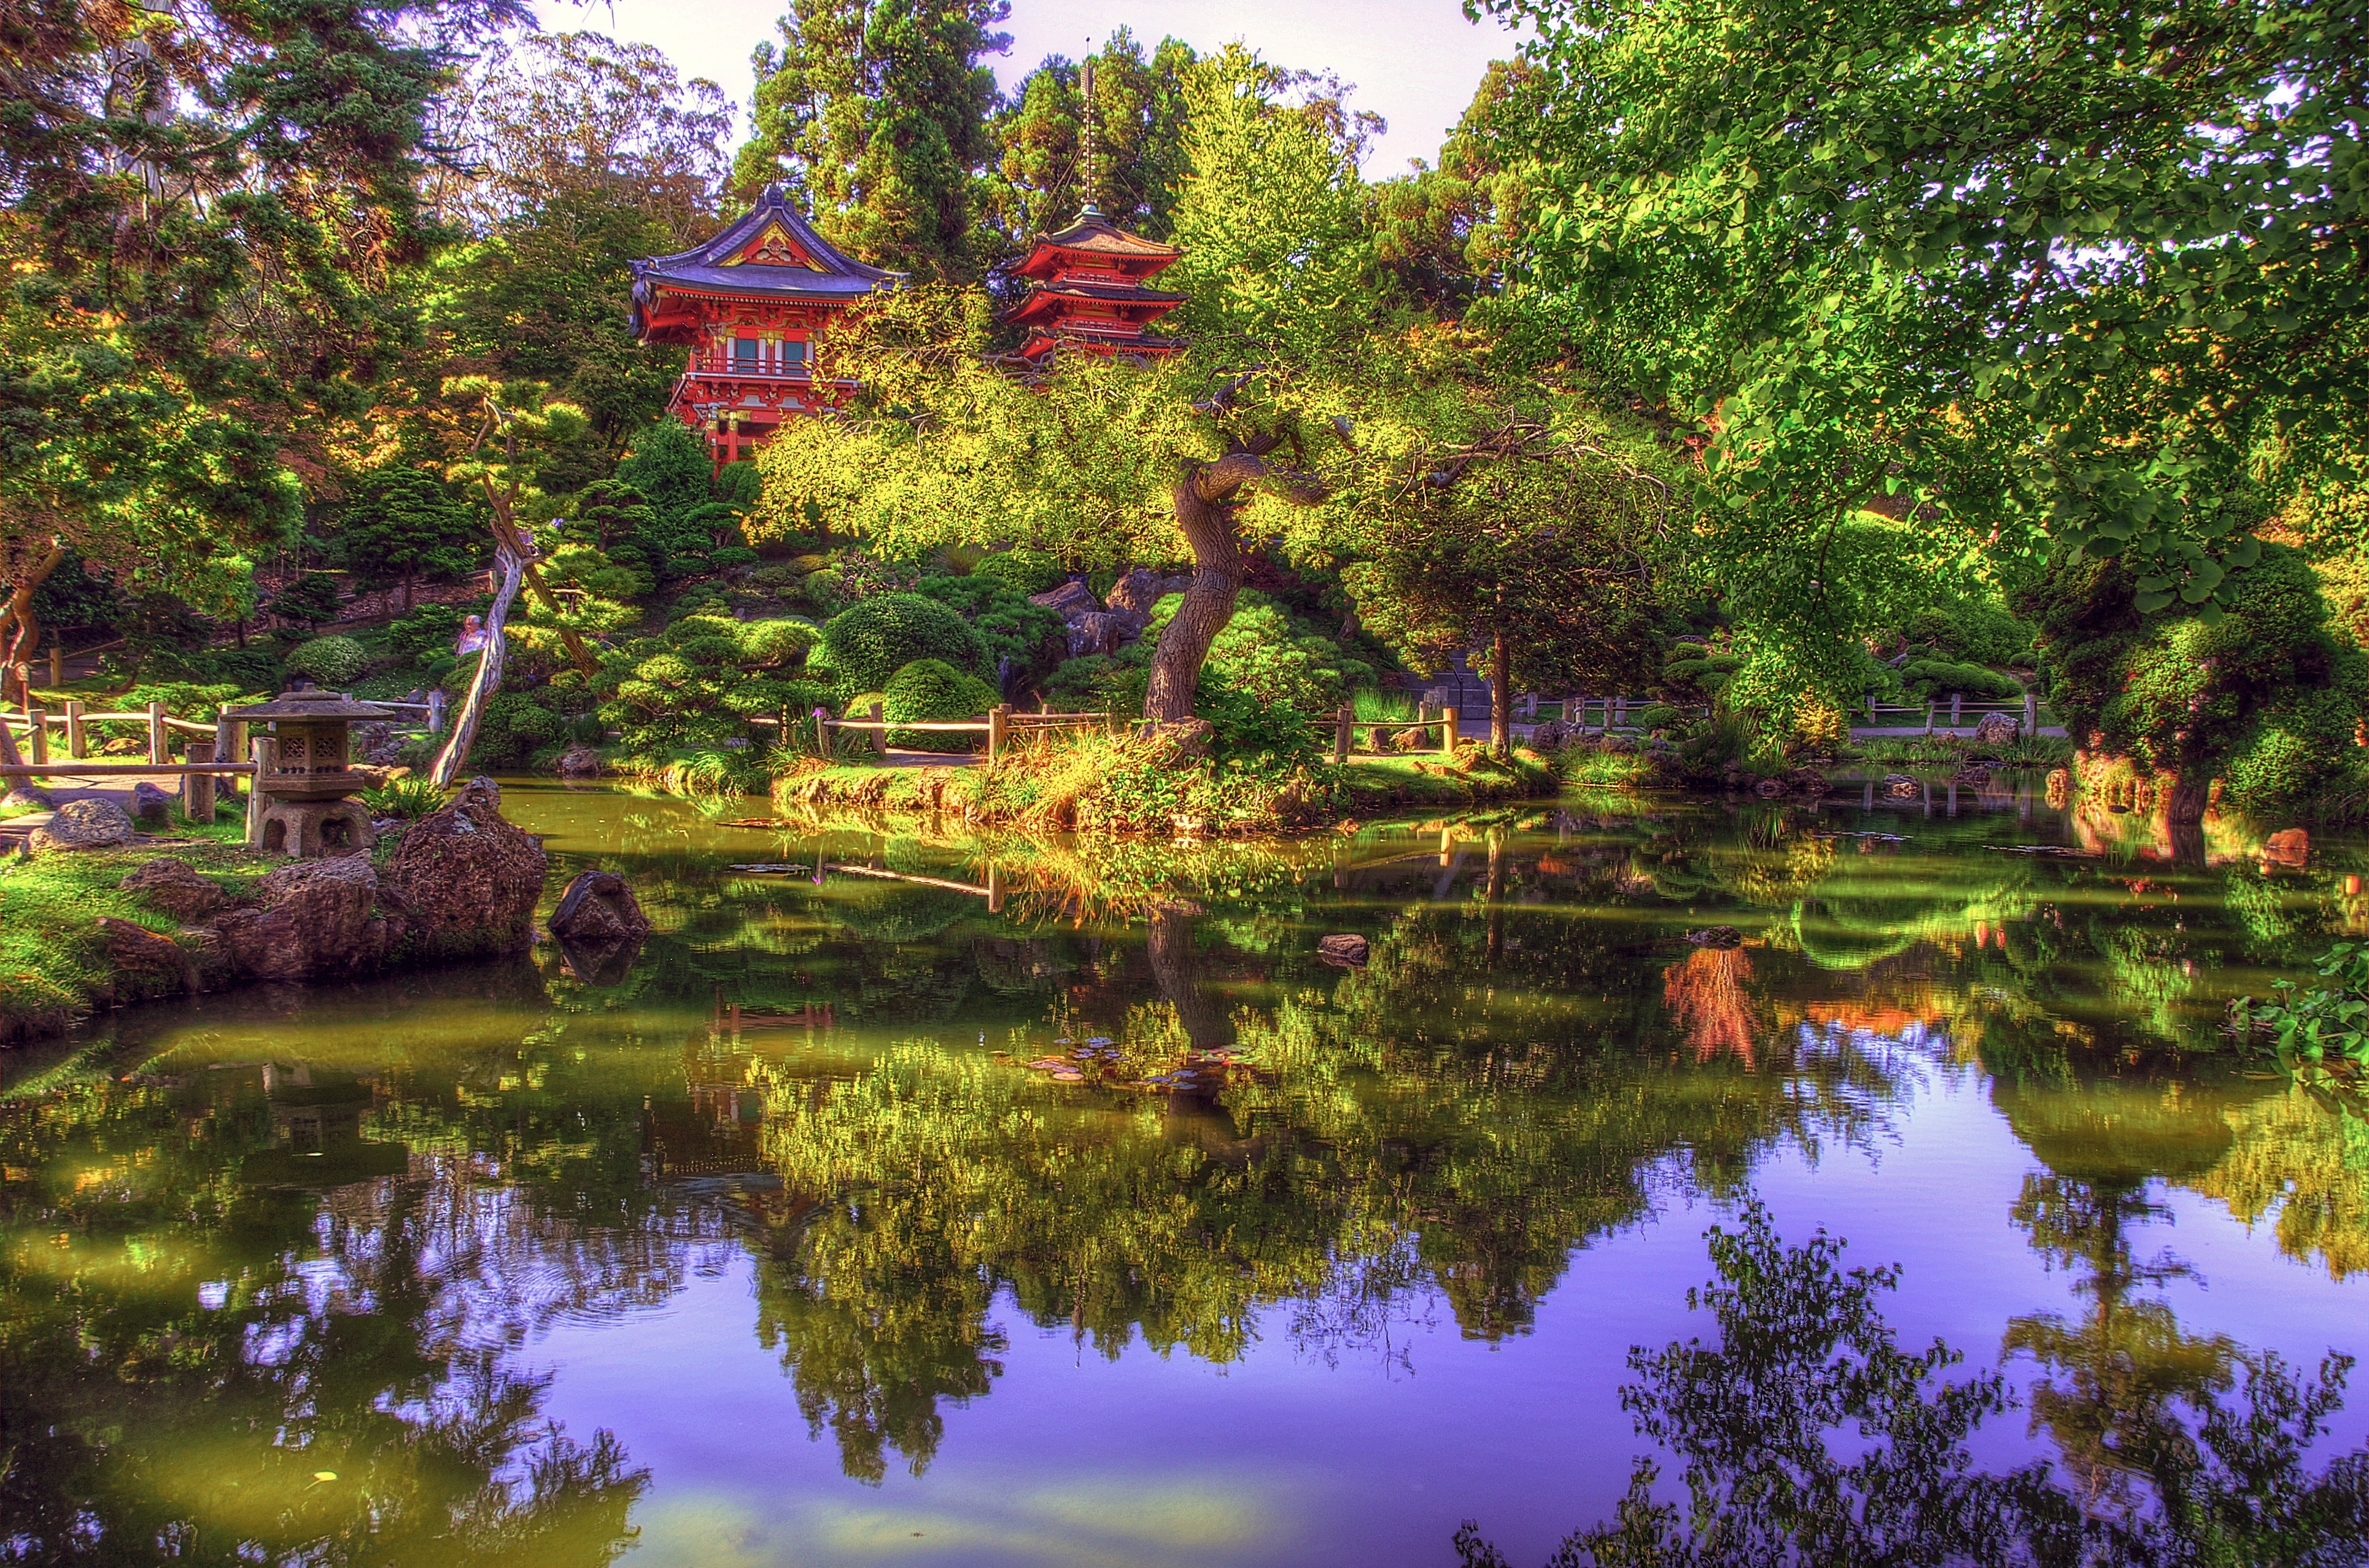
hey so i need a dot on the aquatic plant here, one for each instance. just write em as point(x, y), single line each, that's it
point(2327, 1023)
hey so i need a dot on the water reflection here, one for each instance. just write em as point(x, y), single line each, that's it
point(282, 1233)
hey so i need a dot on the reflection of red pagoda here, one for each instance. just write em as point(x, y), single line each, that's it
point(750, 303)
point(1090, 294)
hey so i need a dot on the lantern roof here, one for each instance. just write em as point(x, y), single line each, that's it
point(772, 251)
point(310, 703)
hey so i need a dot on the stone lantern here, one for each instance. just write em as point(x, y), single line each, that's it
point(305, 805)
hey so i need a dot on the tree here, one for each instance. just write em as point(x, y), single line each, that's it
point(206, 207)
point(2054, 281)
point(877, 109)
point(1489, 514)
point(1138, 121)
point(403, 524)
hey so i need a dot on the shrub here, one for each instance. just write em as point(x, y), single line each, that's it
point(309, 601)
point(425, 634)
point(1021, 637)
point(1661, 715)
point(930, 691)
point(1932, 678)
point(1023, 571)
point(1970, 632)
point(871, 641)
point(329, 661)
point(701, 681)
point(515, 726)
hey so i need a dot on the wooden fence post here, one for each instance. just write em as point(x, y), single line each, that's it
point(2030, 713)
point(267, 760)
point(436, 711)
point(1957, 707)
point(57, 664)
point(880, 734)
point(78, 744)
point(1619, 713)
point(1450, 716)
point(39, 737)
point(159, 743)
point(1931, 708)
point(994, 888)
point(197, 789)
point(998, 717)
point(1341, 716)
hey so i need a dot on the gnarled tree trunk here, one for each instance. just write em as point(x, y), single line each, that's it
point(21, 627)
point(1206, 497)
point(1501, 698)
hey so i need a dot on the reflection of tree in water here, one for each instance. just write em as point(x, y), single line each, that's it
point(2303, 1151)
point(186, 1340)
point(1809, 1436)
point(1394, 1145)
point(1708, 992)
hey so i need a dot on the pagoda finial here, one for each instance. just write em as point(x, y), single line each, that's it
point(1086, 89)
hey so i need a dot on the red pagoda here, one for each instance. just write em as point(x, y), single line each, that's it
point(1090, 294)
point(751, 304)
point(1089, 280)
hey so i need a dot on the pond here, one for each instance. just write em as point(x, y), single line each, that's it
point(976, 1201)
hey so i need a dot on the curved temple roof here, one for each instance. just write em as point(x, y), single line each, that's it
point(771, 250)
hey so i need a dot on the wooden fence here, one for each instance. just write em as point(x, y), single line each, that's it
point(1001, 724)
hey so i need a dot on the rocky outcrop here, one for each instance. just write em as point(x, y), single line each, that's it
point(1346, 949)
point(84, 825)
point(173, 886)
point(464, 880)
point(1070, 598)
point(318, 920)
point(141, 964)
point(1141, 588)
point(599, 908)
point(579, 762)
point(1997, 729)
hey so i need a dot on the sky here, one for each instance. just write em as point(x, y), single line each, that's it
point(1415, 63)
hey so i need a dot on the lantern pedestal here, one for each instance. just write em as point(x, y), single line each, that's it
point(312, 828)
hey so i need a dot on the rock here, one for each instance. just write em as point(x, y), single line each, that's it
point(579, 762)
point(2288, 846)
point(319, 920)
point(1997, 729)
point(141, 964)
point(1769, 789)
point(1616, 746)
point(1180, 740)
point(151, 806)
point(1071, 600)
point(1807, 781)
point(173, 886)
point(1716, 937)
point(1899, 786)
point(1410, 739)
point(598, 909)
point(1973, 773)
point(1141, 588)
point(27, 795)
point(1099, 631)
point(84, 825)
point(1343, 949)
point(464, 880)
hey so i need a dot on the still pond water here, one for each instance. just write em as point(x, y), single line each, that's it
point(774, 1247)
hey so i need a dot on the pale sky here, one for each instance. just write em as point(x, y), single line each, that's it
point(1415, 63)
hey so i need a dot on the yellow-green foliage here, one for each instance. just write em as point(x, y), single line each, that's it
point(702, 679)
point(50, 960)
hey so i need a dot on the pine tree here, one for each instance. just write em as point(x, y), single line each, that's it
point(878, 110)
point(1039, 181)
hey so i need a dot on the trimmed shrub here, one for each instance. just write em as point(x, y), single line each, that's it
point(329, 661)
point(1932, 678)
point(426, 633)
point(930, 691)
point(1972, 633)
point(869, 642)
point(1026, 635)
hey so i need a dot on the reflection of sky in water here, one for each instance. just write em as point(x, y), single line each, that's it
point(1907, 1033)
point(1281, 1458)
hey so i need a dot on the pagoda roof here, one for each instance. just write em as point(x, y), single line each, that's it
point(1091, 234)
point(772, 251)
point(1046, 300)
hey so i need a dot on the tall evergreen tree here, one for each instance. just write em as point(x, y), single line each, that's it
point(878, 110)
point(1139, 124)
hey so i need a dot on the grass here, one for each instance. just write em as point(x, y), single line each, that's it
point(1372, 703)
point(1948, 752)
point(1095, 782)
point(52, 970)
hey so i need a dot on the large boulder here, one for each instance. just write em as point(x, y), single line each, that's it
point(599, 908)
point(464, 880)
point(579, 762)
point(1100, 631)
point(1071, 600)
point(28, 794)
point(141, 964)
point(84, 825)
point(173, 888)
point(1345, 948)
point(1141, 588)
point(1899, 786)
point(318, 920)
